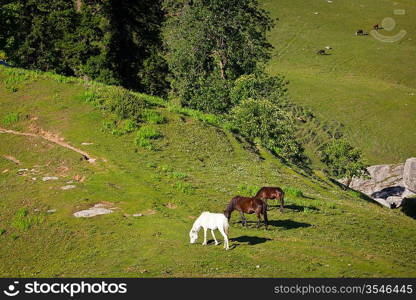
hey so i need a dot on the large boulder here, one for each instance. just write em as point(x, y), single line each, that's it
point(381, 178)
point(409, 174)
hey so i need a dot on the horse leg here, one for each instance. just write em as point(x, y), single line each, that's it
point(205, 237)
point(243, 219)
point(213, 235)
point(225, 238)
point(282, 203)
point(258, 218)
point(266, 221)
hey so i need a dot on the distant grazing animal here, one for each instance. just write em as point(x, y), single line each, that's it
point(321, 52)
point(376, 27)
point(359, 32)
point(211, 221)
point(268, 192)
point(248, 205)
point(328, 47)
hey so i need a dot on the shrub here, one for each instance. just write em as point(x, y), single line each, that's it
point(11, 118)
point(123, 103)
point(178, 175)
point(185, 188)
point(274, 128)
point(144, 136)
point(259, 86)
point(153, 117)
point(23, 221)
point(343, 160)
point(248, 190)
point(293, 191)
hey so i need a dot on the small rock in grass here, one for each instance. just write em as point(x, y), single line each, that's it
point(49, 178)
point(92, 212)
point(34, 178)
point(68, 187)
point(137, 215)
point(87, 144)
point(51, 211)
point(96, 210)
point(258, 267)
point(5, 171)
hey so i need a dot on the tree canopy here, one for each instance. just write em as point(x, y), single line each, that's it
point(115, 42)
point(210, 44)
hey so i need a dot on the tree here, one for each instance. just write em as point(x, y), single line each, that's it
point(263, 120)
point(343, 160)
point(211, 43)
point(33, 32)
point(115, 42)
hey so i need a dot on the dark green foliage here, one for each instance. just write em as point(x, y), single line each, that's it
point(117, 100)
point(258, 86)
point(261, 119)
point(210, 44)
point(34, 33)
point(343, 160)
point(114, 42)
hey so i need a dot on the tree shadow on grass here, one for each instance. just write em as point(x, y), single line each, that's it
point(300, 208)
point(251, 240)
point(288, 224)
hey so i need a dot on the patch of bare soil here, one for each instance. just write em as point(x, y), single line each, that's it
point(51, 137)
point(13, 159)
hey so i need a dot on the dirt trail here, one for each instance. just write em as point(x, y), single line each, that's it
point(51, 138)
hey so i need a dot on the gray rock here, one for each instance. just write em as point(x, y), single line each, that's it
point(381, 177)
point(383, 202)
point(409, 174)
point(96, 210)
point(68, 187)
point(50, 178)
point(50, 211)
point(395, 201)
point(408, 194)
point(137, 215)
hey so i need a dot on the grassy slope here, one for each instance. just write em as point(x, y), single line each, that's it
point(368, 85)
point(327, 233)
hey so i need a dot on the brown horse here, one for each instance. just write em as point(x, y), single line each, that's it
point(272, 193)
point(247, 205)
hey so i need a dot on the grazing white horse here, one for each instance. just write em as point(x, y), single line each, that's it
point(211, 221)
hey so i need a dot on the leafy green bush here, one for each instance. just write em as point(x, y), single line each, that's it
point(23, 221)
point(144, 136)
point(122, 102)
point(292, 191)
point(273, 127)
point(185, 188)
point(153, 117)
point(343, 160)
point(259, 86)
point(248, 190)
point(178, 175)
point(11, 118)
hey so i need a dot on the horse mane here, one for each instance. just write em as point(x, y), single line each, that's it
point(231, 205)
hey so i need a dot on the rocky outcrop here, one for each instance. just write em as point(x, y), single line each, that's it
point(409, 174)
point(388, 184)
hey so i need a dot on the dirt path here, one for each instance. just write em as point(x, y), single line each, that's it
point(51, 138)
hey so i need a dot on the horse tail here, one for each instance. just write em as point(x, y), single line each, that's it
point(226, 226)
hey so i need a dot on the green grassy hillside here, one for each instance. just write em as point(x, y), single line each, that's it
point(368, 85)
point(193, 167)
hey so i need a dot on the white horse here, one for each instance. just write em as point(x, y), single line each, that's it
point(211, 221)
